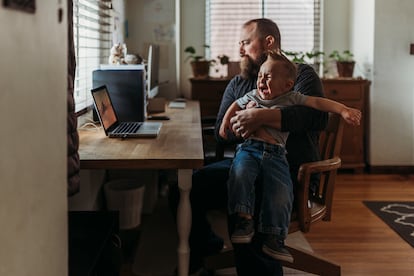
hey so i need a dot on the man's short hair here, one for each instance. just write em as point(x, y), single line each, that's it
point(266, 27)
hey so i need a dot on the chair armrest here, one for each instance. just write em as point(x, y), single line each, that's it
point(328, 168)
point(208, 130)
point(208, 125)
point(306, 169)
point(208, 120)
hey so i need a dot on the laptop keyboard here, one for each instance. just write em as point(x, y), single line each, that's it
point(127, 128)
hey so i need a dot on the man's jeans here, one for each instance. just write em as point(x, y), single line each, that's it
point(264, 162)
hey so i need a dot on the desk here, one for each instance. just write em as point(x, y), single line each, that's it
point(178, 146)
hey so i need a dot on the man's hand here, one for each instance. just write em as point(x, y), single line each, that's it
point(245, 122)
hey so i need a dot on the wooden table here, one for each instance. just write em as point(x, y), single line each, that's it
point(178, 146)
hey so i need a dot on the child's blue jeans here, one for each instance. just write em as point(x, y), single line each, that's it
point(259, 161)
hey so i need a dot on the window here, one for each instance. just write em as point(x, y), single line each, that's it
point(298, 21)
point(92, 38)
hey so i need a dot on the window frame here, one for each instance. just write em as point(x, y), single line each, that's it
point(92, 30)
point(262, 8)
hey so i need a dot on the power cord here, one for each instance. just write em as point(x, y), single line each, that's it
point(91, 125)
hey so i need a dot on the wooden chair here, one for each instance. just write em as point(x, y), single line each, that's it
point(212, 151)
point(310, 208)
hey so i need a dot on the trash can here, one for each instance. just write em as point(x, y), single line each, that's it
point(125, 196)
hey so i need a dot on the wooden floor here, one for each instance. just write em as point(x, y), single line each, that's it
point(357, 239)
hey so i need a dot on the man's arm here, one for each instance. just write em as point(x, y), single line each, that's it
point(248, 121)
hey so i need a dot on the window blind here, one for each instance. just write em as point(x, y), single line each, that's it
point(298, 21)
point(92, 25)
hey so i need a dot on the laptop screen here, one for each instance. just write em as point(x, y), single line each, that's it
point(104, 106)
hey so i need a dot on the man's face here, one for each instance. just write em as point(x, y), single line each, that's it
point(250, 44)
point(252, 50)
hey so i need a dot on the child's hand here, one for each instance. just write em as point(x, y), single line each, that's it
point(223, 129)
point(251, 104)
point(352, 116)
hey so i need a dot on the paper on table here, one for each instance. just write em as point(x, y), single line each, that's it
point(176, 104)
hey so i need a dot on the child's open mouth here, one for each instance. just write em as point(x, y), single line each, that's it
point(265, 91)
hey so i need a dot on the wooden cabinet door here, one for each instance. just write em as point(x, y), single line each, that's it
point(352, 93)
point(209, 93)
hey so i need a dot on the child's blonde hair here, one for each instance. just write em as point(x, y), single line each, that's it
point(290, 67)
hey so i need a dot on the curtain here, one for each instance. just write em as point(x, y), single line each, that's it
point(73, 163)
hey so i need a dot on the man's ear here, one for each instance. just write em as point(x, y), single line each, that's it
point(269, 42)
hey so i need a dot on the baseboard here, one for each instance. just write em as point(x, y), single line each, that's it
point(391, 169)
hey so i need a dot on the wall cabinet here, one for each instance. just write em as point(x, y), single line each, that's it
point(353, 93)
point(209, 93)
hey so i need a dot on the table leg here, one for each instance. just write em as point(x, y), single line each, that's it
point(184, 221)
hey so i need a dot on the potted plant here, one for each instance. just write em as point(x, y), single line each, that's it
point(199, 64)
point(345, 63)
point(312, 58)
point(224, 59)
point(297, 57)
point(220, 66)
point(233, 67)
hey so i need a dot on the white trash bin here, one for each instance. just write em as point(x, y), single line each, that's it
point(125, 196)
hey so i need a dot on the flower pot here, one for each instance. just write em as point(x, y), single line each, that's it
point(201, 69)
point(345, 68)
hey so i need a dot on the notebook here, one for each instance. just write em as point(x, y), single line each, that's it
point(111, 124)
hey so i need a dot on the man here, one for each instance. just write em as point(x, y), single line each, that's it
point(209, 189)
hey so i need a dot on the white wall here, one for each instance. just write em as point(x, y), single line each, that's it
point(362, 17)
point(154, 22)
point(381, 33)
point(392, 117)
point(192, 34)
point(118, 12)
point(33, 181)
point(336, 25)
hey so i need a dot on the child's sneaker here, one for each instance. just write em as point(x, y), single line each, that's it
point(276, 249)
point(244, 231)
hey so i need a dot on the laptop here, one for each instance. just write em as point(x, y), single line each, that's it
point(111, 124)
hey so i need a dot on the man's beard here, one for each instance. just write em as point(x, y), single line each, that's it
point(249, 68)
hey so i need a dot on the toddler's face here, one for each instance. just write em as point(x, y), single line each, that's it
point(272, 81)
